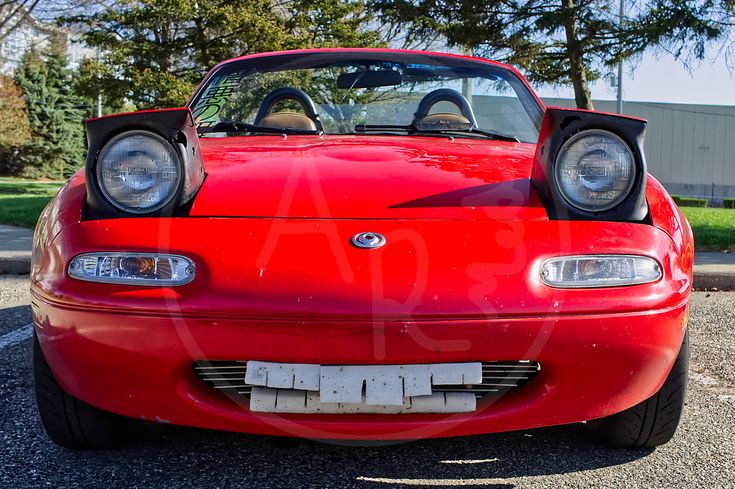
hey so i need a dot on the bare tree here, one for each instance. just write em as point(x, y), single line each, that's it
point(13, 13)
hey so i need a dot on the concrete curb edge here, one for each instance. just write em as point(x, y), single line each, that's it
point(714, 280)
point(15, 265)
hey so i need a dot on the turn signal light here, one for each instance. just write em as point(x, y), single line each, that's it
point(132, 269)
point(590, 271)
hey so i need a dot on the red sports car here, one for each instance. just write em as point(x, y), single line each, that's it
point(362, 244)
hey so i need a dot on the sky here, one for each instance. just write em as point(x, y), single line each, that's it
point(664, 80)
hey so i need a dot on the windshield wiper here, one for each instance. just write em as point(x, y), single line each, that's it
point(233, 126)
point(448, 131)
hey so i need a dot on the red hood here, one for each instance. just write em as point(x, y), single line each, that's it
point(367, 177)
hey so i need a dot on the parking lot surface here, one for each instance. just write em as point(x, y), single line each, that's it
point(701, 454)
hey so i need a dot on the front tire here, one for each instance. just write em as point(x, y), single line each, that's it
point(653, 422)
point(68, 421)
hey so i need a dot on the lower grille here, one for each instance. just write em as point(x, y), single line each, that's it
point(497, 377)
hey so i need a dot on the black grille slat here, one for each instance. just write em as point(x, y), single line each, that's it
point(497, 377)
point(223, 376)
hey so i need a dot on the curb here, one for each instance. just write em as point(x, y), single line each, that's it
point(714, 280)
point(15, 265)
point(709, 280)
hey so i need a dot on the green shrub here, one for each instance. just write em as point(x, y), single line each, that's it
point(729, 204)
point(689, 201)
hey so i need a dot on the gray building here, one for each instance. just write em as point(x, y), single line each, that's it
point(34, 34)
point(689, 148)
point(30, 34)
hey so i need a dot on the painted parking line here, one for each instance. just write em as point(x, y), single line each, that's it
point(436, 482)
point(17, 336)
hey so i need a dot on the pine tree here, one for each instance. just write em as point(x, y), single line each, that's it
point(55, 115)
point(559, 41)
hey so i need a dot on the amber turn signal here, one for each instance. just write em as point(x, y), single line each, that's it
point(133, 269)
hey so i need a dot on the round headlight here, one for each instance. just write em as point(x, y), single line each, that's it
point(138, 172)
point(595, 170)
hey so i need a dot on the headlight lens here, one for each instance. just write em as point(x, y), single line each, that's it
point(595, 170)
point(138, 172)
point(590, 271)
point(132, 268)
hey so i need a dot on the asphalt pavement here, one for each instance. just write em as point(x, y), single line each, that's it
point(702, 453)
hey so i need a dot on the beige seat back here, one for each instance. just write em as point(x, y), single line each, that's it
point(292, 120)
point(445, 117)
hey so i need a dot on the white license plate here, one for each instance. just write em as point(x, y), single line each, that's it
point(310, 388)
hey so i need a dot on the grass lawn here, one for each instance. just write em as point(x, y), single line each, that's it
point(714, 229)
point(21, 201)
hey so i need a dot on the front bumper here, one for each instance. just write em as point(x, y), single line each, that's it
point(296, 291)
point(141, 366)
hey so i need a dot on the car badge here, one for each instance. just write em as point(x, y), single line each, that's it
point(368, 240)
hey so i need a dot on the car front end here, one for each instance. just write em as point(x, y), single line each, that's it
point(453, 284)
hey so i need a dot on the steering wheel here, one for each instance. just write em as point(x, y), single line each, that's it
point(309, 120)
point(422, 117)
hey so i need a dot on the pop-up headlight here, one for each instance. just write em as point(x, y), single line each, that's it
point(138, 172)
point(595, 170)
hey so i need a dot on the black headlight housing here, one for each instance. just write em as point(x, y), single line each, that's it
point(607, 164)
point(153, 155)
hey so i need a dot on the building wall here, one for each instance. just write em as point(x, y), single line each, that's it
point(29, 35)
point(32, 34)
point(689, 148)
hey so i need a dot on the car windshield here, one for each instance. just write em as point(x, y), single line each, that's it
point(351, 92)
